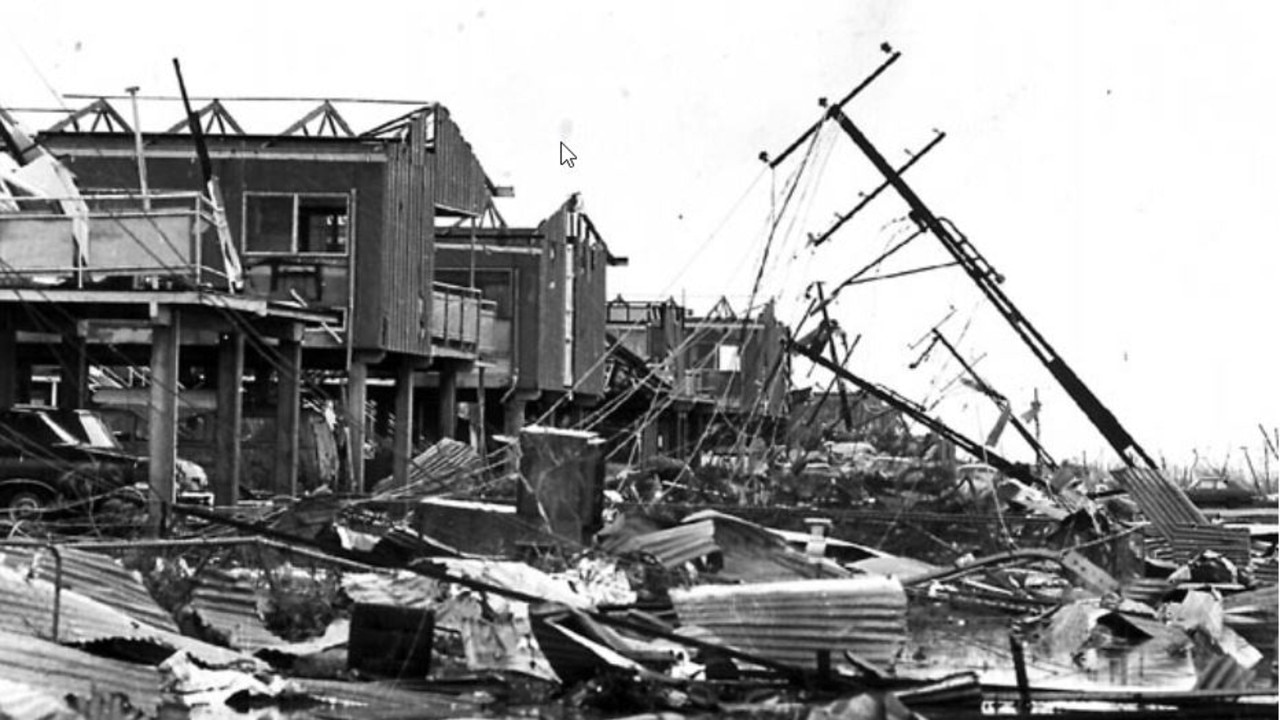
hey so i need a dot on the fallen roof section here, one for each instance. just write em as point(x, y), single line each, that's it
point(42, 665)
point(1164, 504)
point(99, 576)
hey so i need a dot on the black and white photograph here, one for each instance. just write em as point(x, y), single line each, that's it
point(570, 360)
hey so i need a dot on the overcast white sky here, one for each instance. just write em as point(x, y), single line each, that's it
point(1118, 162)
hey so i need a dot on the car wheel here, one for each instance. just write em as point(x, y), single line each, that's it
point(25, 505)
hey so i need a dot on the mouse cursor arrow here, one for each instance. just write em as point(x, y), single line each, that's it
point(566, 155)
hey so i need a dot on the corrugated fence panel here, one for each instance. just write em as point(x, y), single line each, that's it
point(1164, 504)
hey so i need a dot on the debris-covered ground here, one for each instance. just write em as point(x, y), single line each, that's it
point(373, 607)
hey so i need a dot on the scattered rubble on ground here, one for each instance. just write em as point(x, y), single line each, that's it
point(704, 613)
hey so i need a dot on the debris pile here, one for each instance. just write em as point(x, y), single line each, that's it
point(331, 604)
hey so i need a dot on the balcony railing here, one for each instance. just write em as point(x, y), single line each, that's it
point(460, 318)
point(171, 239)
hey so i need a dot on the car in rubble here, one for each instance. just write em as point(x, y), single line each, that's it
point(45, 470)
point(190, 479)
point(1222, 491)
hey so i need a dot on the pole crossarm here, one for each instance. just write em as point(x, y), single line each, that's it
point(868, 197)
point(988, 282)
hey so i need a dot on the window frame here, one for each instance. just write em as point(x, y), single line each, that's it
point(348, 198)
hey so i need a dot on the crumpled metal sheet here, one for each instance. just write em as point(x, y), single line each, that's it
point(672, 546)
point(196, 686)
point(28, 610)
point(749, 552)
point(437, 468)
point(1164, 504)
point(496, 632)
point(45, 665)
point(1253, 615)
point(791, 621)
point(99, 576)
point(229, 604)
point(401, 589)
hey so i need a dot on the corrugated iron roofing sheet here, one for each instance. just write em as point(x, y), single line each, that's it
point(436, 469)
point(1188, 541)
point(1164, 503)
point(750, 552)
point(1253, 614)
point(99, 576)
point(28, 610)
point(1221, 673)
point(46, 665)
point(791, 621)
point(229, 605)
point(673, 546)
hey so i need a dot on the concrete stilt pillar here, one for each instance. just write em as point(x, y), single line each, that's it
point(288, 415)
point(9, 376)
point(226, 469)
point(513, 419)
point(73, 389)
point(448, 405)
point(402, 444)
point(481, 431)
point(357, 397)
point(162, 414)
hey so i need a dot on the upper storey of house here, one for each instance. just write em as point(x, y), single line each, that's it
point(319, 213)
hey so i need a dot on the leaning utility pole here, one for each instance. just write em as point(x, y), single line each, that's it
point(981, 272)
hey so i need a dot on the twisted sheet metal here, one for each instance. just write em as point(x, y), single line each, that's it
point(28, 606)
point(792, 621)
point(101, 577)
point(748, 552)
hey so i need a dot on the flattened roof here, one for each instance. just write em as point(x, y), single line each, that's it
point(45, 665)
point(98, 576)
point(28, 610)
